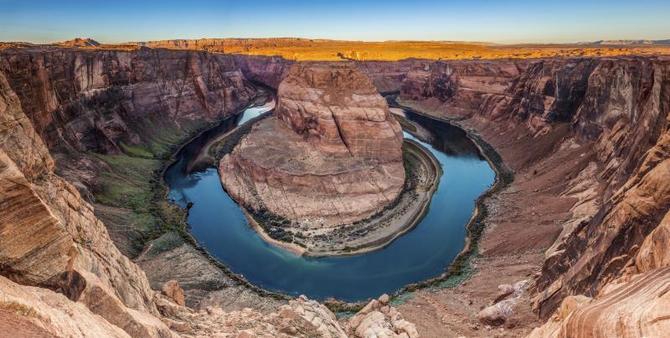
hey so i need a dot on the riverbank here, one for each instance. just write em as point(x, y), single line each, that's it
point(461, 268)
point(379, 231)
point(334, 304)
point(208, 155)
point(520, 220)
point(290, 247)
point(175, 254)
point(401, 220)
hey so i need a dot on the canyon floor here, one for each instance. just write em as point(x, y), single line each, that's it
point(523, 220)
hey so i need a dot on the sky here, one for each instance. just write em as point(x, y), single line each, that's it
point(500, 21)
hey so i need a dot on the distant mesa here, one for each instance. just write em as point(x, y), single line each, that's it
point(79, 42)
point(631, 42)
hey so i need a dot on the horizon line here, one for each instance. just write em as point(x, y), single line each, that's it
point(347, 40)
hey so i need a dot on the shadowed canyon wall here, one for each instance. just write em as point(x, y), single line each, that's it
point(617, 109)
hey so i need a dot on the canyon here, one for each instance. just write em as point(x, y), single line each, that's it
point(330, 157)
point(576, 241)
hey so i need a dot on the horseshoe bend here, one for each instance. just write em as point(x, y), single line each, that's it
point(330, 156)
point(285, 187)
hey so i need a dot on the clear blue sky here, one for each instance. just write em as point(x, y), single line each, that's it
point(473, 20)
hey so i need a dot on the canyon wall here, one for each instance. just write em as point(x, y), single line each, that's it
point(61, 273)
point(112, 116)
point(93, 100)
point(51, 238)
point(265, 70)
point(593, 131)
point(616, 112)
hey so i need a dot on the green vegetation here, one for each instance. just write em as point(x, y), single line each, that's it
point(165, 242)
point(402, 298)
point(132, 182)
point(127, 184)
point(136, 151)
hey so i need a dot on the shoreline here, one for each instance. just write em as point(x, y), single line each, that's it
point(475, 226)
point(387, 238)
point(504, 176)
point(383, 242)
point(162, 188)
point(290, 247)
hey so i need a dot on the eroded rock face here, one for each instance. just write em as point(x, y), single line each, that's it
point(94, 100)
point(173, 291)
point(52, 239)
point(611, 255)
point(379, 319)
point(330, 155)
point(617, 111)
point(36, 312)
point(337, 109)
point(83, 103)
point(61, 274)
point(504, 305)
point(637, 308)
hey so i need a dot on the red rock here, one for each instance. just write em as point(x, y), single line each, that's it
point(174, 291)
point(331, 154)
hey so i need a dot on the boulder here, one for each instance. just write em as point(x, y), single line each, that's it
point(172, 289)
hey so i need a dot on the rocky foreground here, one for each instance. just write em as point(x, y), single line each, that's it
point(330, 155)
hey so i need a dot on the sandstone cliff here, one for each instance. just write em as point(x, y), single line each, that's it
point(93, 100)
point(61, 274)
point(331, 155)
point(110, 117)
point(587, 139)
point(608, 121)
point(51, 238)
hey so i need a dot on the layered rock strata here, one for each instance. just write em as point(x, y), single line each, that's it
point(51, 238)
point(62, 276)
point(330, 155)
point(96, 100)
point(588, 141)
point(108, 117)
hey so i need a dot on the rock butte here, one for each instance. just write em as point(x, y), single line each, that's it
point(580, 237)
point(330, 155)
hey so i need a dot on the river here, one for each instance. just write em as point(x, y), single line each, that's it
point(219, 225)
